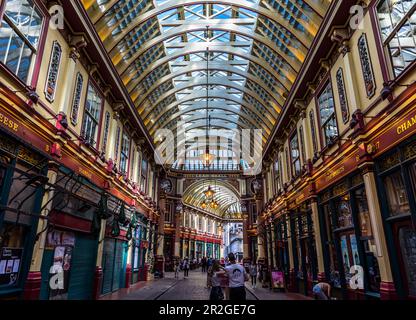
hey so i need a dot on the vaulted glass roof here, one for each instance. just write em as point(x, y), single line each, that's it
point(252, 49)
point(229, 204)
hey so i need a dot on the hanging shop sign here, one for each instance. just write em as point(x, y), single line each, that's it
point(10, 263)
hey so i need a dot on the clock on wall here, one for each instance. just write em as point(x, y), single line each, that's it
point(166, 185)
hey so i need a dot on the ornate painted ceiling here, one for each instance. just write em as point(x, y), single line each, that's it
point(253, 51)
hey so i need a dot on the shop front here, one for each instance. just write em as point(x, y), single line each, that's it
point(70, 255)
point(140, 248)
point(282, 261)
point(115, 250)
point(396, 171)
point(22, 183)
point(303, 248)
point(347, 238)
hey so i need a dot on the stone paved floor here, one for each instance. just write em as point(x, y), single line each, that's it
point(192, 288)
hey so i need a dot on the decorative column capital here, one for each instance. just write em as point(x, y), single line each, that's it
point(341, 36)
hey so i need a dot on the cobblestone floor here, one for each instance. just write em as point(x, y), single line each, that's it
point(191, 288)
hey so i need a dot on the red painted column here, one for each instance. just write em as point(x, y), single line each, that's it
point(128, 276)
point(388, 291)
point(98, 281)
point(32, 286)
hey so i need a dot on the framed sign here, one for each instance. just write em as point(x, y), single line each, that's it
point(278, 280)
point(10, 264)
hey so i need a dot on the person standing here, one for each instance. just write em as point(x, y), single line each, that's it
point(176, 269)
point(253, 274)
point(204, 264)
point(217, 274)
point(185, 268)
point(237, 276)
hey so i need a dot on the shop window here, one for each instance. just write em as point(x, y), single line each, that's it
point(344, 215)
point(313, 131)
point(125, 151)
point(53, 71)
point(327, 115)
point(363, 214)
point(407, 239)
point(12, 242)
point(136, 247)
point(20, 32)
point(413, 175)
point(22, 195)
point(367, 239)
point(335, 277)
point(77, 99)
point(397, 24)
point(92, 116)
point(398, 202)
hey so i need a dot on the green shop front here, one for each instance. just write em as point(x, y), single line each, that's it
point(23, 177)
point(69, 259)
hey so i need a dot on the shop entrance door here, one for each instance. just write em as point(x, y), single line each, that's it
point(83, 268)
point(405, 241)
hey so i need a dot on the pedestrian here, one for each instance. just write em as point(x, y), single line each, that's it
point(237, 276)
point(185, 268)
point(176, 269)
point(253, 274)
point(217, 274)
point(204, 264)
point(322, 291)
point(209, 277)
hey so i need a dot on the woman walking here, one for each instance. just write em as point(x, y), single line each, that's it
point(253, 274)
point(217, 274)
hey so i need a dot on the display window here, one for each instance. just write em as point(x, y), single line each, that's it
point(348, 236)
point(397, 185)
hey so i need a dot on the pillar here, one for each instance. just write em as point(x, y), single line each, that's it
point(318, 240)
point(273, 246)
point(387, 288)
point(246, 249)
point(98, 278)
point(292, 274)
point(34, 278)
point(177, 252)
point(160, 259)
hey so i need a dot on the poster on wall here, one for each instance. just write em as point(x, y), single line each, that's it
point(10, 262)
point(62, 244)
point(278, 280)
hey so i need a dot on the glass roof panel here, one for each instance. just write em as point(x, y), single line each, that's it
point(253, 49)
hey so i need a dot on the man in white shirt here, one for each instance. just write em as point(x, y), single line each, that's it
point(237, 276)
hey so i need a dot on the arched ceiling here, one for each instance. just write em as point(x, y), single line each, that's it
point(254, 48)
point(225, 194)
